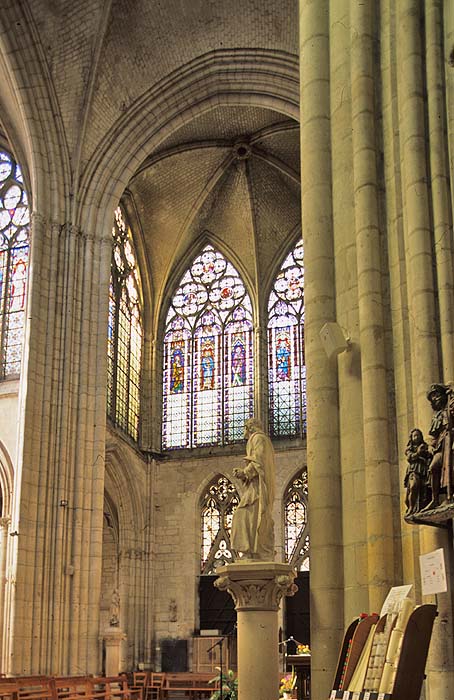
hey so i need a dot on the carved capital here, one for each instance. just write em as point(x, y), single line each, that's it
point(4, 522)
point(257, 586)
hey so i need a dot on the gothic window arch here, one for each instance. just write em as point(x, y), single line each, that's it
point(296, 526)
point(14, 256)
point(286, 367)
point(218, 505)
point(124, 331)
point(208, 376)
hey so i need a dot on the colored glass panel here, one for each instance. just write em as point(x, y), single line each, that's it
point(208, 356)
point(14, 253)
point(124, 336)
point(296, 526)
point(218, 505)
point(286, 368)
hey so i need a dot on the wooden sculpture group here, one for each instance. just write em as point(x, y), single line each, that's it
point(429, 474)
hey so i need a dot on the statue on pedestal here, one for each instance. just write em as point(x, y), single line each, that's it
point(114, 610)
point(252, 526)
point(418, 457)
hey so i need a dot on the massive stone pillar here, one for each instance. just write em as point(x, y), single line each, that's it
point(323, 459)
point(59, 486)
point(257, 589)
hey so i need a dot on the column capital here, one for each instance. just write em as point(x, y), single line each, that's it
point(257, 585)
point(4, 522)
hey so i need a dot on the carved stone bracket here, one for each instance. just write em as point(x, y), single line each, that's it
point(257, 586)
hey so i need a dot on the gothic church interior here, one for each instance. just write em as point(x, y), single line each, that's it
point(190, 190)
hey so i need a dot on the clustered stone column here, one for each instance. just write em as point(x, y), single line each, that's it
point(59, 489)
point(257, 589)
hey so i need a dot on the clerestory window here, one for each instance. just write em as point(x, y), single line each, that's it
point(14, 255)
point(208, 371)
point(286, 368)
point(124, 331)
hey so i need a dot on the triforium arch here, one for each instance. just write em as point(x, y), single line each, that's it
point(7, 549)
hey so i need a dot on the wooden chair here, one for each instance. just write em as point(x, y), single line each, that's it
point(140, 681)
point(155, 686)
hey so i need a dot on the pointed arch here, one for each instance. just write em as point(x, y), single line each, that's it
point(217, 505)
point(125, 332)
point(296, 523)
point(6, 481)
point(14, 259)
point(286, 364)
point(208, 373)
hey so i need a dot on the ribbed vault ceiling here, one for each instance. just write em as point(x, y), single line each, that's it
point(232, 173)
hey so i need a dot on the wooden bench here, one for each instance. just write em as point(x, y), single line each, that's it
point(113, 688)
point(194, 686)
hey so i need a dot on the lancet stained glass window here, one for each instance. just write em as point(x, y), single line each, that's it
point(286, 368)
point(296, 525)
point(208, 356)
point(218, 506)
point(14, 253)
point(124, 345)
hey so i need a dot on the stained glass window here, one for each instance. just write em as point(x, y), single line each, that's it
point(124, 341)
point(218, 506)
point(296, 526)
point(14, 252)
point(286, 368)
point(208, 360)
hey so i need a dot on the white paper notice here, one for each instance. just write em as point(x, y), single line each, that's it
point(433, 572)
point(394, 598)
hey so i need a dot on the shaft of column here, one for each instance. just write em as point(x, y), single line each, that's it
point(370, 306)
point(257, 589)
point(258, 631)
point(323, 458)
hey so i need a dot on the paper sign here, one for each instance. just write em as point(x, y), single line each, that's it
point(367, 695)
point(356, 695)
point(381, 696)
point(394, 598)
point(433, 572)
point(346, 694)
point(333, 695)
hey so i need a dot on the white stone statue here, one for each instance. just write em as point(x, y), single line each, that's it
point(252, 526)
point(114, 610)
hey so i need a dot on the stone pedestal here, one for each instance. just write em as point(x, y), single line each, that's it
point(257, 589)
point(112, 638)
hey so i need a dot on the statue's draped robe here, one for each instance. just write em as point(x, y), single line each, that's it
point(253, 526)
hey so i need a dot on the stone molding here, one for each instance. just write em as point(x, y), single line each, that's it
point(257, 585)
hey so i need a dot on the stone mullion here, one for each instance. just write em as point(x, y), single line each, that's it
point(260, 364)
point(421, 288)
point(322, 393)
point(370, 306)
point(440, 179)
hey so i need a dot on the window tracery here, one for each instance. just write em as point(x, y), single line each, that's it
point(14, 257)
point(218, 506)
point(286, 368)
point(296, 527)
point(208, 356)
point(124, 345)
